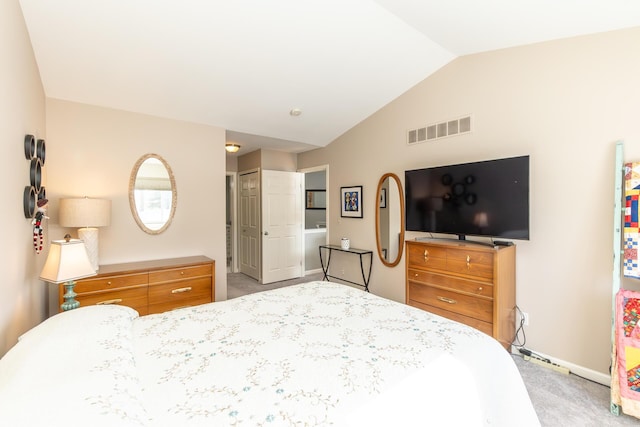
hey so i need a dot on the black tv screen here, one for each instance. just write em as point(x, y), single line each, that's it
point(488, 198)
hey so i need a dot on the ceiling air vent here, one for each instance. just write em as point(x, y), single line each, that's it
point(439, 130)
point(431, 132)
point(415, 136)
point(465, 124)
point(412, 136)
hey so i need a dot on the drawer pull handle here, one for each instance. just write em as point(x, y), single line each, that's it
point(181, 290)
point(182, 273)
point(480, 288)
point(447, 300)
point(109, 283)
point(110, 301)
point(468, 262)
point(417, 274)
point(426, 254)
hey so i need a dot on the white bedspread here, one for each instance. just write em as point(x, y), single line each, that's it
point(316, 354)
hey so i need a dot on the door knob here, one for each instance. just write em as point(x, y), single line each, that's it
point(266, 233)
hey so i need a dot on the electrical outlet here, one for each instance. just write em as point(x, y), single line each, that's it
point(525, 317)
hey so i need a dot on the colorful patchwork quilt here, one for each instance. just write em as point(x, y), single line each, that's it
point(628, 349)
point(631, 224)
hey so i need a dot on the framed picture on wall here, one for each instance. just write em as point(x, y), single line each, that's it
point(316, 199)
point(351, 201)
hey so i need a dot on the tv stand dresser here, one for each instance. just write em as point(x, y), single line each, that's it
point(467, 282)
point(149, 286)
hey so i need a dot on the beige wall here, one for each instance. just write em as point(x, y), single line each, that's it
point(564, 103)
point(249, 161)
point(266, 160)
point(22, 111)
point(231, 163)
point(92, 151)
point(278, 161)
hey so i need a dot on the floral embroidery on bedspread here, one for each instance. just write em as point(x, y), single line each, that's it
point(295, 356)
point(118, 363)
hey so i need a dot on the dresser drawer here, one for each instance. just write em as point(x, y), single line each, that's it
point(110, 282)
point(427, 257)
point(454, 283)
point(135, 298)
point(471, 263)
point(485, 327)
point(180, 293)
point(172, 274)
point(477, 307)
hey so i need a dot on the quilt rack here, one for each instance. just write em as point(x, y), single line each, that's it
point(625, 309)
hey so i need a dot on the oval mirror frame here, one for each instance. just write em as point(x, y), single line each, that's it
point(132, 200)
point(394, 177)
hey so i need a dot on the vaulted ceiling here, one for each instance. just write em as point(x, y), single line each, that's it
point(244, 65)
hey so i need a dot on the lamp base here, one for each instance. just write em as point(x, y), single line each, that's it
point(89, 235)
point(69, 297)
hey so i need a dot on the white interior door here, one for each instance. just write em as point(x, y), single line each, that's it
point(282, 244)
point(249, 224)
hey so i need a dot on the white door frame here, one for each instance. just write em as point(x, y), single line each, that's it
point(234, 220)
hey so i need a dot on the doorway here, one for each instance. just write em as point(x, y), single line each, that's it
point(244, 190)
point(316, 224)
point(231, 199)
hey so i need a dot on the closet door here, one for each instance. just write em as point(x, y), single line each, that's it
point(249, 224)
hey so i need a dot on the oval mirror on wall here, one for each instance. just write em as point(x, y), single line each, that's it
point(390, 220)
point(152, 194)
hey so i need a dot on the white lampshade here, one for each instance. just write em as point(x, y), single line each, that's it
point(88, 214)
point(67, 260)
point(84, 212)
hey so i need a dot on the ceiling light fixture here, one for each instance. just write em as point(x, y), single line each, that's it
point(231, 147)
point(295, 112)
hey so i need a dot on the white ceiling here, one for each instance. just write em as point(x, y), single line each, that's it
point(244, 64)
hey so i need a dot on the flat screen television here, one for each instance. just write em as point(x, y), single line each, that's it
point(488, 198)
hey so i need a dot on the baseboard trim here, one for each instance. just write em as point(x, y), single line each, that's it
point(317, 270)
point(581, 371)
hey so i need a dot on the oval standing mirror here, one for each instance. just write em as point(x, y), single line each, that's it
point(390, 220)
point(152, 194)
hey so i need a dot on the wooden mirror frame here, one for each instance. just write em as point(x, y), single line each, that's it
point(132, 200)
point(389, 202)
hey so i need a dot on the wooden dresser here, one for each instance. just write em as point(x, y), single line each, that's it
point(470, 283)
point(149, 286)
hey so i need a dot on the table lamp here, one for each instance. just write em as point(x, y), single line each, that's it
point(67, 261)
point(89, 214)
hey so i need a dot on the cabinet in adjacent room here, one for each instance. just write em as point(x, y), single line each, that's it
point(467, 282)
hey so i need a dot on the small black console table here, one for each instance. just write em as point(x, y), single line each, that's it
point(360, 252)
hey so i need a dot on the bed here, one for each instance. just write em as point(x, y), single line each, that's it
point(314, 354)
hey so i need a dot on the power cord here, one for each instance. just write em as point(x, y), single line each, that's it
point(529, 353)
point(515, 342)
point(520, 344)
